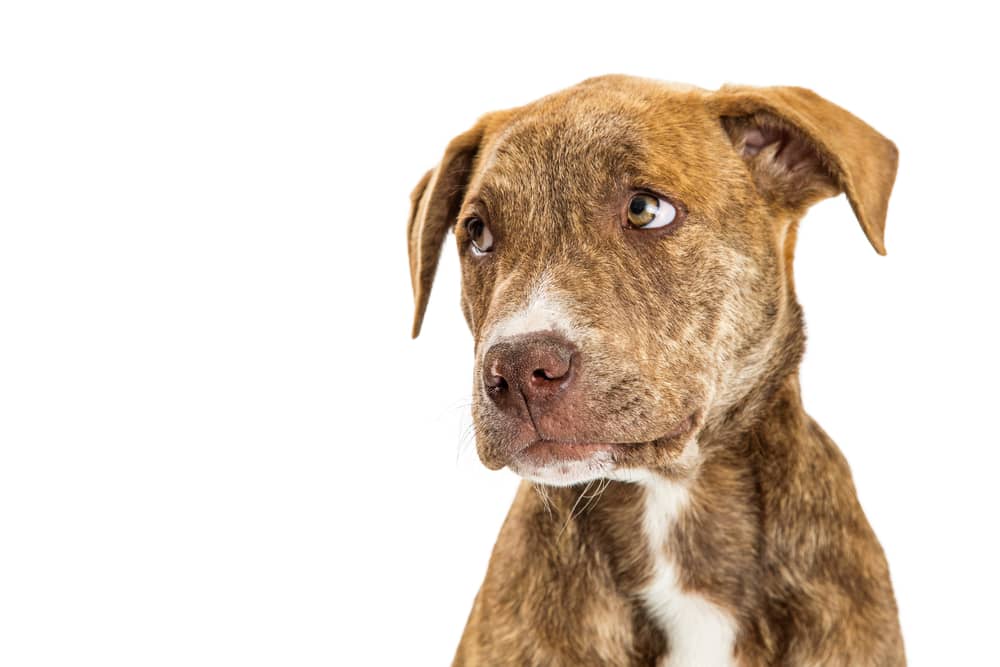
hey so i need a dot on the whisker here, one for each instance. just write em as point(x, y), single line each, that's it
point(466, 438)
point(601, 488)
point(543, 494)
point(573, 509)
point(607, 483)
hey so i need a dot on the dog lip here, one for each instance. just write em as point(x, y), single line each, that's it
point(544, 451)
point(679, 431)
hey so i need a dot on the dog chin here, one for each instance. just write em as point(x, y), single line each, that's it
point(601, 465)
point(580, 472)
point(566, 473)
point(571, 473)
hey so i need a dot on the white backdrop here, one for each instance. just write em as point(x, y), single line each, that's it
point(218, 445)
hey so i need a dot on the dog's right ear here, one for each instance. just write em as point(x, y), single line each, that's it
point(435, 204)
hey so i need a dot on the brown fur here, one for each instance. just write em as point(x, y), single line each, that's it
point(693, 331)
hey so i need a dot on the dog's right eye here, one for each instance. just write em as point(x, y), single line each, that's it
point(480, 236)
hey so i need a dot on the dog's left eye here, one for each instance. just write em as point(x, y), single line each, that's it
point(646, 211)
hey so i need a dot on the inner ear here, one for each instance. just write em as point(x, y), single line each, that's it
point(787, 166)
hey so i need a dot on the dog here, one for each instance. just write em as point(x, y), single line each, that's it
point(626, 252)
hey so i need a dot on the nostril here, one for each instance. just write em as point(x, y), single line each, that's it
point(547, 375)
point(551, 370)
point(494, 379)
point(496, 383)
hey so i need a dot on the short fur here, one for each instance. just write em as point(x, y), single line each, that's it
point(690, 340)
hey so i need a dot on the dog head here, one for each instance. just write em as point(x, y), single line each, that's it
point(626, 253)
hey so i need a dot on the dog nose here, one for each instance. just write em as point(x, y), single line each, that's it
point(537, 366)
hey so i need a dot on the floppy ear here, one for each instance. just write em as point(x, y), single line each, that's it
point(435, 203)
point(801, 148)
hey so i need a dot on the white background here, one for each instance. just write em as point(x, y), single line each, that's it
point(218, 445)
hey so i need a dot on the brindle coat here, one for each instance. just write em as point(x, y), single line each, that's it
point(689, 342)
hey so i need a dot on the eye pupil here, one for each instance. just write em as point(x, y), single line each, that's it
point(637, 205)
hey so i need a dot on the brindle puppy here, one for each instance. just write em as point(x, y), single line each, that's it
point(626, 251)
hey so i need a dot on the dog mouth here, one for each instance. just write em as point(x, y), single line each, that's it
point(543, 453)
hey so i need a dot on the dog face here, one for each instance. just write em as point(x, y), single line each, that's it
point(625, 249)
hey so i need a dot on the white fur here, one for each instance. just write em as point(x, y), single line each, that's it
point(700, 633)
point(568, 473)
point(544, 310)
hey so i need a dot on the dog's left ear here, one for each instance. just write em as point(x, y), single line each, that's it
point(435, 204)
point(801, 148)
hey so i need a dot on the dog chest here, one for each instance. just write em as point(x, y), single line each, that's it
point(699, 633)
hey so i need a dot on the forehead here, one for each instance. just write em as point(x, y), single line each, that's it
point(592, 142)
point(560, 135)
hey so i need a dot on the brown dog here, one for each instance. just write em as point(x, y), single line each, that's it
point(626, 251)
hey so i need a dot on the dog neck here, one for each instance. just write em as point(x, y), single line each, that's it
point(694, 571)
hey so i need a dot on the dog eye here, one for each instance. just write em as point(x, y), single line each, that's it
point(479, 235)
point(648, 212)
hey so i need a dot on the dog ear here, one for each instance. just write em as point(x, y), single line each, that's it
point(801, 148)
point(435, 203)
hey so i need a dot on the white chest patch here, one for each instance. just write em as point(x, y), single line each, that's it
point(699, 633)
